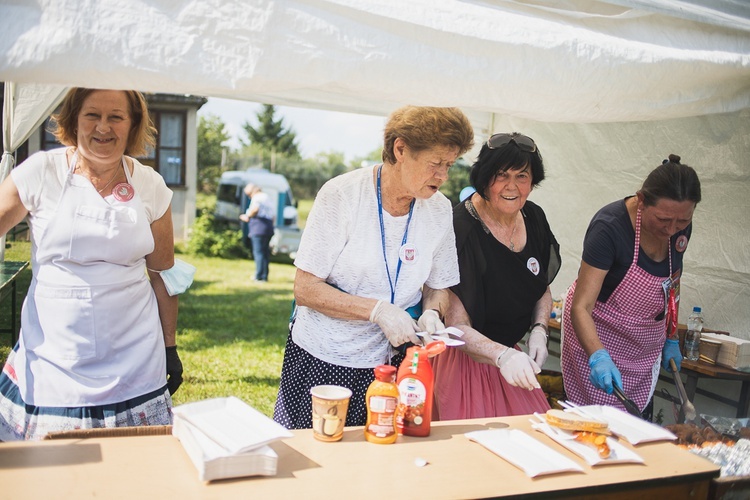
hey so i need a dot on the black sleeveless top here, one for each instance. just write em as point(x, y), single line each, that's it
point(498, 287)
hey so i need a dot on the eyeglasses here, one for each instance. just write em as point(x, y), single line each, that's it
point(524, 143)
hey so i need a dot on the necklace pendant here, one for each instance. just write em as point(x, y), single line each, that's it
point(512, 247)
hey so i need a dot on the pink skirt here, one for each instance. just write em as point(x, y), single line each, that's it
point(467, 389)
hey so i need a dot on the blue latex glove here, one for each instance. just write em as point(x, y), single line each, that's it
point(603, 371)
point(671, 350)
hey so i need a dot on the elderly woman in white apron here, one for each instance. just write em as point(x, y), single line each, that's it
point(620, 316)
point(97, 335)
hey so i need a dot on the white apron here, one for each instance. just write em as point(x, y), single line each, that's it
point(90, 329)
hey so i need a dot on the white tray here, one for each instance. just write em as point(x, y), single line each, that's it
point(619, 453)
point(232, 423)
point(633, 429)
point(523, 451)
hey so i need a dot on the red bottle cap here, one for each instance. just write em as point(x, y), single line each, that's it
point(386, 373)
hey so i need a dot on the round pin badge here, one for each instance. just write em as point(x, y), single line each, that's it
point(408, 253)
point(123, 192)
point(533, 265)
point(681, 243)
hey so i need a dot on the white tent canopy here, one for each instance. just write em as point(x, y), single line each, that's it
point(607, 88)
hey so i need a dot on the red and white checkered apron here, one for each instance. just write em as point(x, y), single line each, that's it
point(627, 328)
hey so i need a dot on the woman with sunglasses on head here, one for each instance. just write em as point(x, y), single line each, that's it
point(621, 312)
point(507, 257)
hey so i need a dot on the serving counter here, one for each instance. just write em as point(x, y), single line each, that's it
point(158, 467)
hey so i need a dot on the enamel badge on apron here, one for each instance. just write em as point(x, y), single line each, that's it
point(123, 192)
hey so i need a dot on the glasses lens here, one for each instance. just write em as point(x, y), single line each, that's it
point(497, 141)
point(523, 142)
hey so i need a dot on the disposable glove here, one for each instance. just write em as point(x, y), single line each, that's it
point(603, 371)
point(429, 322)
point(671, 350)
point(398, 327)
point(518, 369)
point(537, 345)
point(174, 370)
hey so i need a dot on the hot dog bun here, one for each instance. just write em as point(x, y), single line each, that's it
point(574, 422)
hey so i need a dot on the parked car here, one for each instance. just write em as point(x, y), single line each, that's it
point(231, 201)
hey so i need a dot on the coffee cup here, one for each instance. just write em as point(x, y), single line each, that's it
point(329, 406)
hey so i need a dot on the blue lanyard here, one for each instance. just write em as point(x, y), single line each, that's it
point(392, 284)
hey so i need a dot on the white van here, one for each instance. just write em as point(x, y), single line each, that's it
point(231, 201)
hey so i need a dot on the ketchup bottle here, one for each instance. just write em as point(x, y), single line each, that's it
point(382, 400)
point(415, 386)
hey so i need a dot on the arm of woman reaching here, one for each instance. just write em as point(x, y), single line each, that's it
point(315, 293)
point(160, 259)
point(515, 366)
point(603, 370)
point(12, 210)
point(539, 335)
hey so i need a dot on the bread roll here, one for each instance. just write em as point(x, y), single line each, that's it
point(574, 422)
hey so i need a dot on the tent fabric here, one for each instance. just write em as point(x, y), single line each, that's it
point(577, 61)
point(25, 107)
point(606, 87)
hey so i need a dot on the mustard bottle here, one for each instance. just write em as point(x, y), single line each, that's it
point(382, 399)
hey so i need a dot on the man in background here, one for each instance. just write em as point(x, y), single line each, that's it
point(259, 217)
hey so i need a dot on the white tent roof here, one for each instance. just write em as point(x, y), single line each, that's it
point(606, 87)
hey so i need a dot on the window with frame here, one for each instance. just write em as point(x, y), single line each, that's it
point(49, 141)
point(168, 158)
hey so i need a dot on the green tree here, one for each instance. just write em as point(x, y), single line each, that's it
point(212, 136)
point(458, 178)
point(271, 137)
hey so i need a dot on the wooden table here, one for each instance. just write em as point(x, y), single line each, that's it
point(158, 467)
point(9, 271)
point(697, 369)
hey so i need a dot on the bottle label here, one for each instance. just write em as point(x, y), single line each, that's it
point(413, 397)
point(382, 414)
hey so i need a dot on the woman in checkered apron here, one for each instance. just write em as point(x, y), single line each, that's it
point(620, 314)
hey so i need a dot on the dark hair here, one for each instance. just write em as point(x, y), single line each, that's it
point(508, 157)
point(423, 127)
point(142, 131)
point(671, 180)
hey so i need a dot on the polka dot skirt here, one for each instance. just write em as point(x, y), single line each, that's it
point(302, 371)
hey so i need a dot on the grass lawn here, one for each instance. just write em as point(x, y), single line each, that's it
point(231, 331)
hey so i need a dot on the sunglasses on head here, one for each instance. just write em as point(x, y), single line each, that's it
point(523, 142)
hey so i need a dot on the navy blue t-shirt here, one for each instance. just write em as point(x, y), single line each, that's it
point(609, 243)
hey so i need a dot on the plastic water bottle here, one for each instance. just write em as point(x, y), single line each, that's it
point(693, 334)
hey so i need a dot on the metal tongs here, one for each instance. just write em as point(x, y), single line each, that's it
point(629, 404)
point(687, 410)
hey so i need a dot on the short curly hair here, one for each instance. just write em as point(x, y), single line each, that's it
point(424, 127)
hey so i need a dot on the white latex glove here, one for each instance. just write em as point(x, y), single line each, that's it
point(537, 345)
point(518, 369)
point(398, 327)
point(429, 322)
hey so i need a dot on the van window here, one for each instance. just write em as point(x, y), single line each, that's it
point(229, 193)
